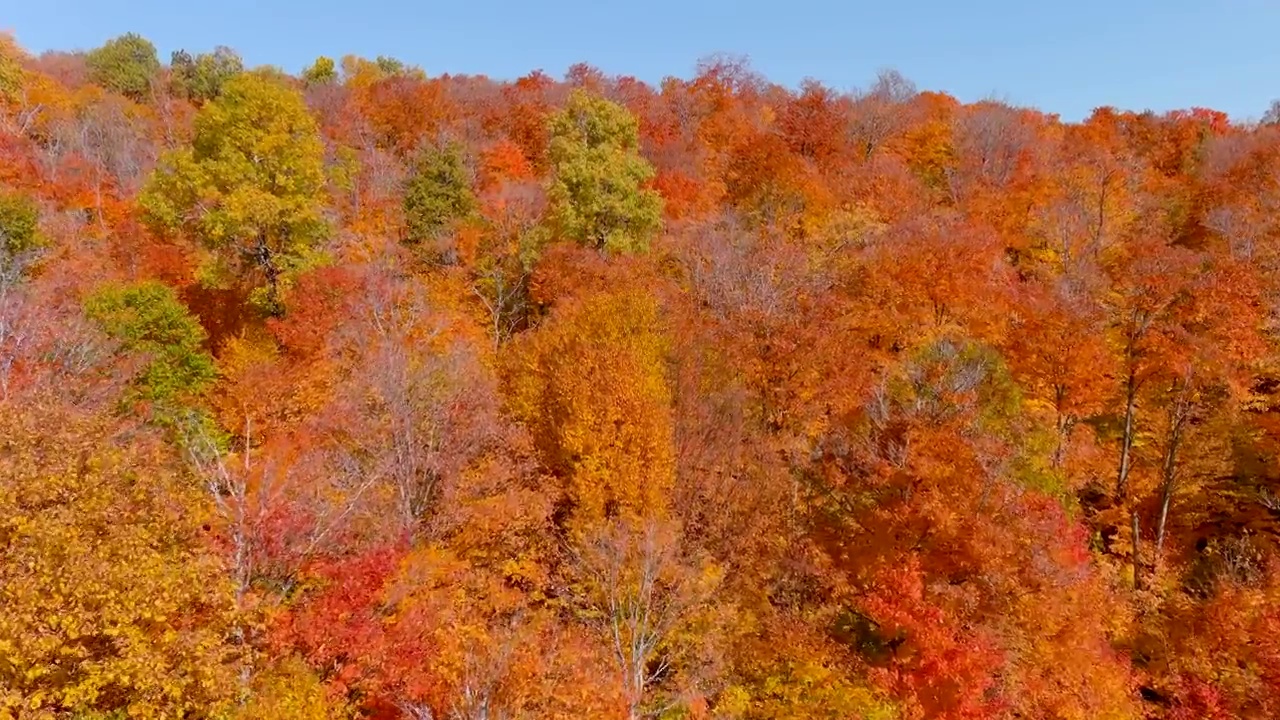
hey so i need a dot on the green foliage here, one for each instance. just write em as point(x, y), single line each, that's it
point(322, 72)
point(11, 73)
point(952, 378)
point(598, 194)
point(201, 78)
point(149, 319)
point(125, 64)
point(389, 65)
point(438, 193)
point(344, 169)
point(250, 185)
point(19, 224)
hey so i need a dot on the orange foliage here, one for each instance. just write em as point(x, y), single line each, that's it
point(914, 408)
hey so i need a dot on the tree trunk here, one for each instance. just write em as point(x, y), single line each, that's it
point(1066, 422)
point(1126, 441)
point(1169, 470)
point(1102, 216)
point(1166, 497)
point(266, 261)
point(1137, 563)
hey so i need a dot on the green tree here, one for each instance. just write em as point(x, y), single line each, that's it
point(322, 72)
point(201, 78)
point(19, 224)
point(389, 65)
point(598, 194)
point(438, 193)
point(11, 73)
point(249, 187)
point(149, 320)
point(125, 64)
point(20, 239)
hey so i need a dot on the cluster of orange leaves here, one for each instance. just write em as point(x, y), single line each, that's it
point(864, 434)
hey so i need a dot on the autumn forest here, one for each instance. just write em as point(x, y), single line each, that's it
point(364, 392)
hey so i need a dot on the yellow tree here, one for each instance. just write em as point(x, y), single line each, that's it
point(11, 72)
point(591, 385)
point(113, 601)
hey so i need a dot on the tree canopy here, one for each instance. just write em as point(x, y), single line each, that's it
point(599, 194)
point(127, 64)
point(377, 394)
point(249, 186)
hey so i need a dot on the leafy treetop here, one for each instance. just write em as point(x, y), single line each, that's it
point(599, 194)
point(250, 185)
point(126, 64)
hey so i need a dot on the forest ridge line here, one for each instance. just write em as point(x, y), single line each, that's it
point(363, 393)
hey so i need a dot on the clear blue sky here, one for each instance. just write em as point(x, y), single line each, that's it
point(1063, 57)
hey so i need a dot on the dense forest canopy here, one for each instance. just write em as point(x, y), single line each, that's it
point(367, 393)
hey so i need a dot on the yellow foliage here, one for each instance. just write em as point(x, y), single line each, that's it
point(591, 385)
point(289, 690)
point(11, 72)
point(801, 688)
point(113, 602)
point(931, 152)
point(246, 363)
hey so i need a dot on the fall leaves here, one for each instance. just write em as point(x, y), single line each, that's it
point(376, 394)
point(114, 597)
point(248, 187)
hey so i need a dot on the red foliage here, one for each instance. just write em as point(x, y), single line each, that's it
point(972, 407)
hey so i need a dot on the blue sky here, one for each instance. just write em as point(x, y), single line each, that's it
point(1065, 57)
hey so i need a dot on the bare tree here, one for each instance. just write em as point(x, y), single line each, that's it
point(641, 595)
point(111, 137)
point(418, 409)
point(879, 113)
point(252, 488)
point(738, 274)
point(992, 139)
point(1272, 115)
point(501, 275)
point(16, 328)
point(46, 344)
point(481, 691)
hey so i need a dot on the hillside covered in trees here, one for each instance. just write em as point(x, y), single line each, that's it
point(366, 393)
